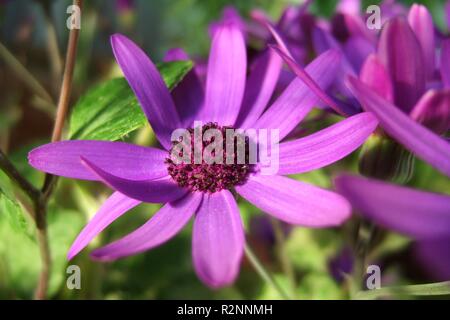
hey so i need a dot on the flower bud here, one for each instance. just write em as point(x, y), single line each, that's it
point(385, 159)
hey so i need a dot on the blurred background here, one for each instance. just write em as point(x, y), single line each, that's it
point(33, 34)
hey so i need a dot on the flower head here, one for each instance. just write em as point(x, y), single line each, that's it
point(205, 190)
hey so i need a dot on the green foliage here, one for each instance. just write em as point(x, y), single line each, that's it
point(110, 110)
point(10, 208)
point(19, 253)
point(429, 289)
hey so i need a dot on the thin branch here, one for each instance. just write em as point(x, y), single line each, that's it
point(49, 183)
point(66, 88)
point(25, 75)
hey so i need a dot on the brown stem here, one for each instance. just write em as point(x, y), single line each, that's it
point(66, 87)
point(61, 113)
point(44, 250)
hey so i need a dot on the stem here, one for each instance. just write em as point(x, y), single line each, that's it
point(283, 257)
point(66, 87)
point(49, 183)
point(25, 75)
point(40, 197)
point(265, 275)
point(46, 260)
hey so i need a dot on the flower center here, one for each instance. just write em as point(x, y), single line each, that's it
point(209, 158)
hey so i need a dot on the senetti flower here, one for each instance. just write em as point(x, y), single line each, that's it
point(424, 216)
point(409, 93)
point(206, 191)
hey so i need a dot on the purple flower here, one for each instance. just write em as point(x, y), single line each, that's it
point(424, 216)
point(394, 86)
point(145, 174)
point(407, 92)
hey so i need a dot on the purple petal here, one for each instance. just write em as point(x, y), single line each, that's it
point(260, 87)
point(433, 111)
point(400, 52)
point(434, 255)
point(301, 74)
point(148, 86)
point(391, 9)
point(164, 225)
point(218, 240)
point(374, 74)
point(323, 40)
point(347, 25)
point(189, 94)
point(416, 138)
point(290, 18)
point(352, 7)
point(421, 23)
point(297, 99)
point(229, 15)
point(295, 202)
point(116, 205)
point(415, 213)
point(277, 36)
point(225, 82)
point(445, 62)
point(153, 191)
point(122, 159)
point(326, 146)
point(175, 54)
point(357, 49)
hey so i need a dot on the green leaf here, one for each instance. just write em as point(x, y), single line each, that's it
point(14, 213)
point(429, 289)
point(311, 249)
point(10, 207)
point(110, 110)
point(19, 253)
point(319, 286)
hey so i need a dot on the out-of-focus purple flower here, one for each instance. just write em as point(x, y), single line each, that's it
point(295, 25)
point(144, 174)
point(393, 85)
point(124, 5)
point(434, 256)
point(424, 216)
point(391, 9)
point(341, 264)
point(229, 15)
